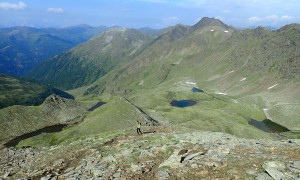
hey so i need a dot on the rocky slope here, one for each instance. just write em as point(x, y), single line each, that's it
point(160, 153)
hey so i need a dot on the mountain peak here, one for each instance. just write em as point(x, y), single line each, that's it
point(174, 32)
point(289, 27)
point(117, 30)
point(206, 21)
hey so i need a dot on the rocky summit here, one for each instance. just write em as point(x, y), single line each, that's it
point(160, 153)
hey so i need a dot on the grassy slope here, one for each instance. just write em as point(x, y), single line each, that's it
point(117, 114)
point(212, 112)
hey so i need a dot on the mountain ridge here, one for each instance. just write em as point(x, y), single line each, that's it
point(103, 52)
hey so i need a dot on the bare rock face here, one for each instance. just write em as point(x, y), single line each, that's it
point(274, 168)
point(62, 109)
point(56, 101)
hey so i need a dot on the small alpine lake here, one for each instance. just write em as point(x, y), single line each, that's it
point(183, 103)
point(268, 126)
point(48, 129)
point(194, 89)
point(97, 105)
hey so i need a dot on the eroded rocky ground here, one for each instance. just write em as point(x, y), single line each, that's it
point(159, 153)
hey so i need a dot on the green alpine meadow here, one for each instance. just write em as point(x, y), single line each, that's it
point(214, 102)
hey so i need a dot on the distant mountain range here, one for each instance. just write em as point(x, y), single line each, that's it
point(22, 48)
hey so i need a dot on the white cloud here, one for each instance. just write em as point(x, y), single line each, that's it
point(273, 19)
point(12, 6)
point(56, 10)
point(254, 19)
point(287, 18)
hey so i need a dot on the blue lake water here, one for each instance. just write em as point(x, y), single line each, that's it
point(183, 103)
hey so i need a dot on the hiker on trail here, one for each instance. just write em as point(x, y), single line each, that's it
point(138, 127)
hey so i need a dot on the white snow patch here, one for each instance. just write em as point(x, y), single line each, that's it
point(141, 83)
point(221, 93)
point(212, 30)
point(225, 31)
point(192, 83)
point(231, 71)
point(243, 79)
point(265, 109)
point(272, 86)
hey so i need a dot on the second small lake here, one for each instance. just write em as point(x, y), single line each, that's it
point(268, 126)
point(97, 105)
point(183, 103)
point(48, 129)
point(196, 90)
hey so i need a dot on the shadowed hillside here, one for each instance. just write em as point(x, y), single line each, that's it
point(20, 92)
point(91, 60)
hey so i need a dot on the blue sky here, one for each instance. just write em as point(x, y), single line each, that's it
point(150, 13)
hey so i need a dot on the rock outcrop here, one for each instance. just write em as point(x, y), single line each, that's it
point(161, 155)
point(18, 120)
